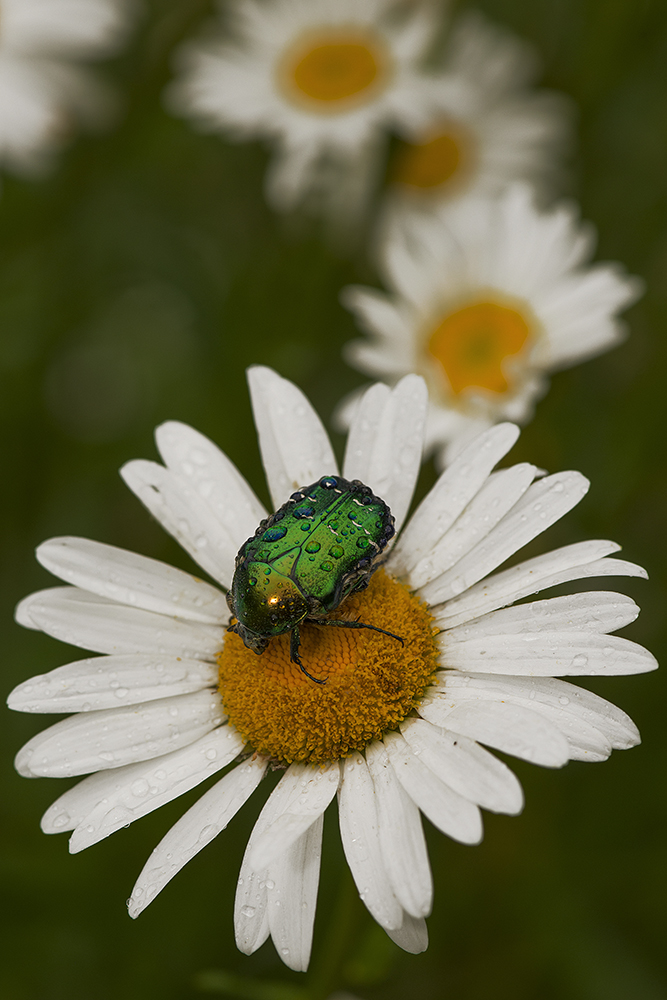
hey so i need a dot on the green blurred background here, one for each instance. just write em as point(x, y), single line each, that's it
point(136, 284)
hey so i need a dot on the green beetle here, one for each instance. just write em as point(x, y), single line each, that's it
point(304, 560)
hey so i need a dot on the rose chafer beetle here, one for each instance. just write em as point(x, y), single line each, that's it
point(304, 560)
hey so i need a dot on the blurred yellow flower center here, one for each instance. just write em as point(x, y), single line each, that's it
point(331, 73)
point(472, 345)
point(442, 158)
point(372, 681)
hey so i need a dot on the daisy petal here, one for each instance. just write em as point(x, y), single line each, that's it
point(498, 495)
point(150, 787)
point(359, 833)
point(132, 579)
point(566, 705)
point(185, 515)
point(104, 802)
point(292, 887)
point(544, 503)
point(295, 447)
point(215, 479)
point(91, 622)
point(454, 815)
point(401, 836)
point(411, 936)
point(310, 791)
point(251, 919)
point(95, 741)
point(193, 831)
point(464, 765)
point(596, 611)
point(385, 444)
point(455, 488)
point(109, 681)
point(509, 728)
point(580, 561)
point(547, 654)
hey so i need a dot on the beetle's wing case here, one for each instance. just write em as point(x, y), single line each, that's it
point(345, 533)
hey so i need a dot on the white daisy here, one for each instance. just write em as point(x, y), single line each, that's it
point(43, 89)
point(321, 79)
point(486, 127)
point(395, 730)
point(486, 297)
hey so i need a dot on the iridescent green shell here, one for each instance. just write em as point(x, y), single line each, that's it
point(304, 560)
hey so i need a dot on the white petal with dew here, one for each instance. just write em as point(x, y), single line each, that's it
point(544, 503)
point(401, 836)
point(453, 491)
point(295, 446)
point(214, 478)
point(91, 622)
point(251, 920)
point(368, 413)
point(357, 814)
point(498, 495)
point(596, 611)
point(133, 579)
point(385, 443)
point(583, 560)
point(95, 741)
point(108, 800)
point(310, 790)
point(185, 515)
point(411, 936)
point(292, 897)
point(450, 812)
point(585, 741)
point(109, 681)
point(547, 654)
point(198, 827)
point(466, 766)
point(565, 704)
point(510, 728)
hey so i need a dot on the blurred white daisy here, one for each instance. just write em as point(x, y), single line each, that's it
point(44, 91)
point(323, 80)
point(486, 297)
point(486, 126)
point(395, 730)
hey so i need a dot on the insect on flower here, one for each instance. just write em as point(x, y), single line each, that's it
point(303, 561)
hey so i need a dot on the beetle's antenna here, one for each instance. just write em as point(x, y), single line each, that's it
point(343, 624)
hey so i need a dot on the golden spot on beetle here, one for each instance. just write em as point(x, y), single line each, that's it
point(372, 682)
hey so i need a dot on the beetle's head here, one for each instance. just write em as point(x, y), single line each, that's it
point(266, 604)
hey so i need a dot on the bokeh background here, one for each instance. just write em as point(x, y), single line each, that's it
point(137, 282)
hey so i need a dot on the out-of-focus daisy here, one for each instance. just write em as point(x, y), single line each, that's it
point(322, 79)
point(486, 297)
point(44, 91)
point(395, 730)
point(486, 127)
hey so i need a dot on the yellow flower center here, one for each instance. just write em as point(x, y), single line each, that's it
point(372, 681)
point(332, 73)
point(445, 157)
point(472, 345)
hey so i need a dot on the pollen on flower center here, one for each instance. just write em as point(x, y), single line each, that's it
point(329, 72)
point(444, 158)
point(472, 345)
point(372, 681)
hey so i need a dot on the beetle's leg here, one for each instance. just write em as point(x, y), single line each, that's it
point(343, 624)
point(294, 643)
